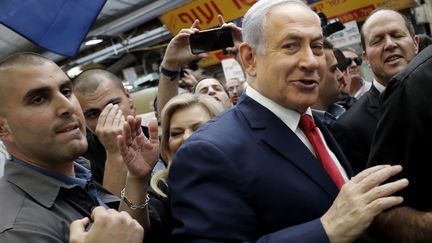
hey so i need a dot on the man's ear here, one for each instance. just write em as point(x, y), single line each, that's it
point(130, 100)
point(366, 58)
point(416, 43)
point(247, 57)
point(4, 128)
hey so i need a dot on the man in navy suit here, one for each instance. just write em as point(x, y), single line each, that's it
point(251, 174)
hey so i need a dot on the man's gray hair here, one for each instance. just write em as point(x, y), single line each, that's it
point(254, 22)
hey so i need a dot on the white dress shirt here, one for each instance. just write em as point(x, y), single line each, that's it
point(378, 86)
point(363, 89)
point(291, 118)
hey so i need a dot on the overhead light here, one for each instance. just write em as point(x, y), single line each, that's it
point(93, 40)
point(73, 72)
point(148, 38)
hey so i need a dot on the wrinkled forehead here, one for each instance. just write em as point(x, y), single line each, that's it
point(106, 93)
point(291, 22)
point(207, 83)
point(384, 21)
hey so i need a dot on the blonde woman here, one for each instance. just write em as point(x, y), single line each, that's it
point(181, 116)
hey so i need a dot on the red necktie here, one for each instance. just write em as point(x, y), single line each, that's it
point(311, 131)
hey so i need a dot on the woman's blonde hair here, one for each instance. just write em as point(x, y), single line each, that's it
point(175, 104)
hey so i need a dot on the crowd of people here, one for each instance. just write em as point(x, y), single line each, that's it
point(304, 150)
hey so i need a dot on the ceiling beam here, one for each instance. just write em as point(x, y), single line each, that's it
point(125, 23)
point(148, 38)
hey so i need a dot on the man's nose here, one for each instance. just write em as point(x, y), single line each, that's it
point(308, 60)
point(211, 91)
point(389, 43)
point(65, 106)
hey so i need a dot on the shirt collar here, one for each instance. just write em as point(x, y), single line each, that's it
point(363, 89)
point(378, 86)
point(24, 176)
point(330, 116)
point(288, 116)
point(82, 175)
point(336, 110)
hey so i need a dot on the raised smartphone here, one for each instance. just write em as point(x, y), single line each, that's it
point(211, 40)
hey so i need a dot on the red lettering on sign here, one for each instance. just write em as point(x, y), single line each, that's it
point(196, 15)
point(205, 13)
point(209, 15)
point(185, 18)
point(356, 14)
point(246, 3)
point(319, 7)
point(216, 7)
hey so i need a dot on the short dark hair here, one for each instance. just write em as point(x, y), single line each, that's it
point(409, 25)
point(89, 80)
point(23, 58)
point(328, 44)
point(342, 61)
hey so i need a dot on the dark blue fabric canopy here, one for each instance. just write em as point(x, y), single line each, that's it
point(56, 25)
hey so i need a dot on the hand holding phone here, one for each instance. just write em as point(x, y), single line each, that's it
point(211, 40)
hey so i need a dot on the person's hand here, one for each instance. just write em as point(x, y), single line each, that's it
point(140, 154)
point(108, 226)
point(360, 200)
point(189, 80)
point(401, 224)
point(237, 37)
point(178, 52)
point(109, 126)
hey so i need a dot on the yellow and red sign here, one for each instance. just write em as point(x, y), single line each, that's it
point(348, 10)
point(233, 10)
point(206, 11)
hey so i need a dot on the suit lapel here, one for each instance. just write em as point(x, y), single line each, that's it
point(273, 132)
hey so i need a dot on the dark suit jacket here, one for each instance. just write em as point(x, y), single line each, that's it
point(355, 128)
point(246, 177)
point(404, 132)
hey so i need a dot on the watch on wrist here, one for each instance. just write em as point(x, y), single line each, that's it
point(169, 73)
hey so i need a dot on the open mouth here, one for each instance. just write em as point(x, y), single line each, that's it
point(308, 82)
point(68, 128)
point(393, 58)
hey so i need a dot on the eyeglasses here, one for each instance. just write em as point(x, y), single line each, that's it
point(357, 60)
